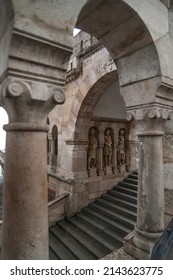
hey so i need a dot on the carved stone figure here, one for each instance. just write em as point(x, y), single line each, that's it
point(121, 148)
point(92, 149)
point(107, 149)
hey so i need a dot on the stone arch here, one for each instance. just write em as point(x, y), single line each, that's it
point(139, 27)
point(89, 93)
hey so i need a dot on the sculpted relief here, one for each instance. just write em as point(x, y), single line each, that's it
point(104, 156)
point(107, 149)
point(121, 148)
point(92, 149)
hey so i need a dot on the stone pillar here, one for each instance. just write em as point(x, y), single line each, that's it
point(50, 151)
point(25, 211)
point(150, 210)
point(100, 158)
point(133, 155)
point(25, 220)
point(114, 158)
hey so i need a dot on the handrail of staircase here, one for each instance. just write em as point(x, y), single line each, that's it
point(58, 199)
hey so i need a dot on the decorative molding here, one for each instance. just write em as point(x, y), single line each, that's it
point(46, 41)
point(77, 142)
point(33, 76)
point(108, 66)
point(153, 112)
point(73, 74)
point(90, 50)
point(110, 120)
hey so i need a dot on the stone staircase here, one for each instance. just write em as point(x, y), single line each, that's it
point(99, 228)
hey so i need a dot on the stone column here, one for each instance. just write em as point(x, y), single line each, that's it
point(133, 154)
point(114, 158)
point(150, 210)
point(100, 158)
point(25, 211)
point(50, 151)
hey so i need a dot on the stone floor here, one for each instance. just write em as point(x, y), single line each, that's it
point(118, 255)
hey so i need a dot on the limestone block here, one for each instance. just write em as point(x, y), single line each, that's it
point(93, 187)
point(168, 149)
point(56, 213)
point(155, 16)
point(131, 35)
point(162, 44)
point(82, 198)
point(169, 201)
point(79, 164)
point(93, 196)
point(168, 175)
point(143, 92)
point(80, 187)
point(139, 65)
point(47, 16)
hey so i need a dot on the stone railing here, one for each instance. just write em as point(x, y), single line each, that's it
point(57, 208)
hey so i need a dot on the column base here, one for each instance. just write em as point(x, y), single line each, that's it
point(108, 170)
point(122, 168)
point(92, 172)
point(139, 244)
point(101, 172)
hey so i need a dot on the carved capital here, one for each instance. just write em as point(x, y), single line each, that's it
point(58, 95)
point(151, 113)
point(14, 88)
point(29, 101)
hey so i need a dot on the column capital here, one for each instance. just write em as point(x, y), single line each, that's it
point(29, 101)
point(150, 112)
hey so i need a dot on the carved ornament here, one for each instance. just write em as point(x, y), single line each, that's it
point(154, 112)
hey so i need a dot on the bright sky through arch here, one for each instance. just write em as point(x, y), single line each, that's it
point(76, 31)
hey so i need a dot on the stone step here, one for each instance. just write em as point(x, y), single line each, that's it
point(112, 215)
point(122, 195)
point(97, 249)
point(101, 237)
point(117, 208)
point(126, 190)
point(131, 181)
point(80, 252)
point(101, 229)
point(58, 248)
point(52, 255)
point(133, 176)
point(106, 221)
point(119, 201)
point(128, 185)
